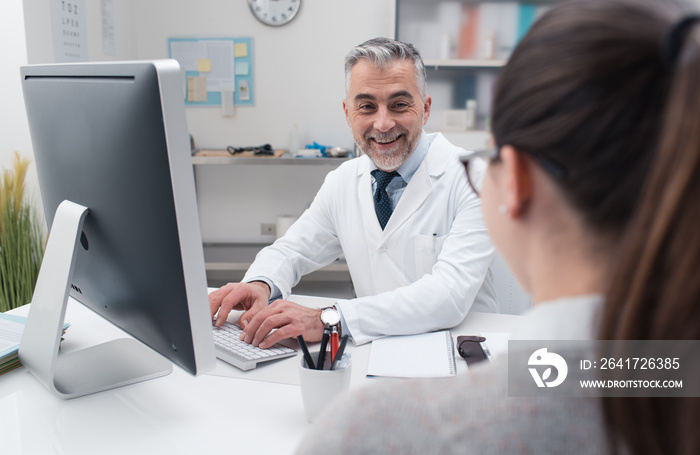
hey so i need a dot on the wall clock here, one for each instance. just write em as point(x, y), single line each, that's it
point(274, 12)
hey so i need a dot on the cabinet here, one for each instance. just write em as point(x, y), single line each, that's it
point(238, 196)
point(463, 45)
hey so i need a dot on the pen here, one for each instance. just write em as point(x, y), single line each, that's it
point(305, 350)
point(334, 342)
point(339, 355)
point(322, 352)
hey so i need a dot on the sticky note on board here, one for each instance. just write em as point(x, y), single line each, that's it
point(204, 65)
point(196, 89)
point(240, 50)
point(242, 68)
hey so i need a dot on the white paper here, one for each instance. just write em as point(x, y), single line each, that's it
point(69, 30)
point(109, 42)
point(188, 53)
point(221, 77)
point(227, 103)
point(10, 335)
point(428, 355)
point(219, 52)
point(243, 90)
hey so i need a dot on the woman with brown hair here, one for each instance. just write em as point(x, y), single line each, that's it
point(589, 195)
point(656, 293)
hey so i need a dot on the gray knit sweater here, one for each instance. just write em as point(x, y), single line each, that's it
point(467, 414)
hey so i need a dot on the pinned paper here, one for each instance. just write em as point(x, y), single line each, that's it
point(204, 65)
point(223, 62)
point(197, 89)
point(243, 90)
point(242, 68)
point(227, 103)
point(240, 50)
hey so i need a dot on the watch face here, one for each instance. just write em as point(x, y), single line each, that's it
point(274, 12)
point(330, 316)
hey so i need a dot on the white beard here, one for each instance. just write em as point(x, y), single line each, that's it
point(389, 160)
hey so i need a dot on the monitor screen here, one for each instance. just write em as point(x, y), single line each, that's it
point(112, 137)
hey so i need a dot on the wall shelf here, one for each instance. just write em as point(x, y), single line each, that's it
point(464, 45)
point(436, 64)
point(283, 161)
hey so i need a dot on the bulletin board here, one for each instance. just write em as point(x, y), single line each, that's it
point(214, 67)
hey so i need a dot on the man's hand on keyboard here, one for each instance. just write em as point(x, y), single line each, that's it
point(289, 318)
point(251, 297)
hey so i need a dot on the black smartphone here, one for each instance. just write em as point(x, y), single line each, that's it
point(471, 349)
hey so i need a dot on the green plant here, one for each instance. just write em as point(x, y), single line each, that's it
point(21, 239)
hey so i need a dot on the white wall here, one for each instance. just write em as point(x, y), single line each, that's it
point(13, 119)
point(39, 32)
point(298, 79)
point(298, 67)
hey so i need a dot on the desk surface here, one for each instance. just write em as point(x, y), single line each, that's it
point(256, 412)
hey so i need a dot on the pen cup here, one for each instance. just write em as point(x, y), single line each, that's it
point(320, 387)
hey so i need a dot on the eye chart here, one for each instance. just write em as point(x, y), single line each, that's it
point(69, 30)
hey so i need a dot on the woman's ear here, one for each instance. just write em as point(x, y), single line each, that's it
point(518, 180)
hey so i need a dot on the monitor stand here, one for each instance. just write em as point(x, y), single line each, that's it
point(105, 366)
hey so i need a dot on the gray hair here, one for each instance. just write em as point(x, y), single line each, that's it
point(382, 52)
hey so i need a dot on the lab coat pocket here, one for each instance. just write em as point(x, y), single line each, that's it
point(427, 250)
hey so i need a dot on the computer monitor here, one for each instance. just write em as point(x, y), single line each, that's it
point(115, 171)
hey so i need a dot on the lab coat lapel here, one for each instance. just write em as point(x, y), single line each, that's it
point(413, 197)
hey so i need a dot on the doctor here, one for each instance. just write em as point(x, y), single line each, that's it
point(403, 216)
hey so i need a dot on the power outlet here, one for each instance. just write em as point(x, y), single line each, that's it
point(268, 229)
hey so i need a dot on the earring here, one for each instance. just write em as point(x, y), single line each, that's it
point(502, 209)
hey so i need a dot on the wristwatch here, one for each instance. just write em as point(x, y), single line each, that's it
point(330, 316)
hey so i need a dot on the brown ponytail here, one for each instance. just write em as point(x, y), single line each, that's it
point(656, 293)
point(610, 90)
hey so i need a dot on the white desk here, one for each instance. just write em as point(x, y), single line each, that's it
point(228, 411)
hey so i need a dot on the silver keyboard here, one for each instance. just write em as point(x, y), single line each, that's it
point(231, 349)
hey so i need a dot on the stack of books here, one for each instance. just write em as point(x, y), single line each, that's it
point(11, 328)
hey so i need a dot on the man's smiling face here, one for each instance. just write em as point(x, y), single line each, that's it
point(385, 111)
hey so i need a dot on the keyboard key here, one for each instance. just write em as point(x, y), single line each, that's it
point(240, 354)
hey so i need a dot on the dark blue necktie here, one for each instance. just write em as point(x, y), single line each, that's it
point(382, 202)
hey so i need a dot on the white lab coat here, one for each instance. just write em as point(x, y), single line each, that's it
point(423, 272)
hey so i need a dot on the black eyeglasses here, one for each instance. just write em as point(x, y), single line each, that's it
point(476, 163)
